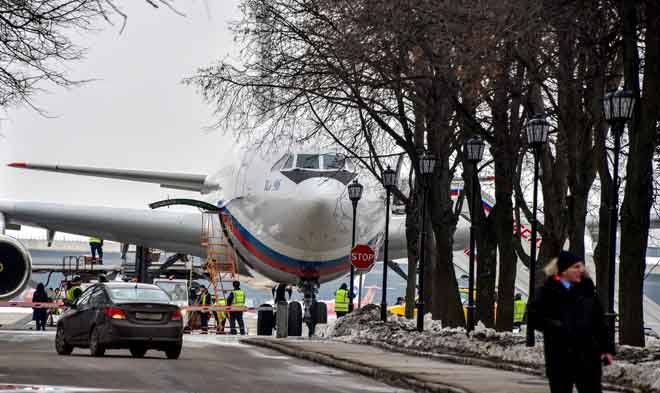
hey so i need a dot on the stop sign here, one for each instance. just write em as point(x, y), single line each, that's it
point(363, 257)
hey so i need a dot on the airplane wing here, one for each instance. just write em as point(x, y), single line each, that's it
point(180, 181)
point(171, 231)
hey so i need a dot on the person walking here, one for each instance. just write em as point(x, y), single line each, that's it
point(204, 300)
point(96, 245)
point(569, 313)
point(40, 315)
point(342, 298)
point(236, 299)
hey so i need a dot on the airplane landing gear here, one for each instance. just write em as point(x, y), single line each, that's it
point(309, 288)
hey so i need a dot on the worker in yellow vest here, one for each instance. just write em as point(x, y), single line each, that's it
point(342, 299)
point(74, 291)
point(519, 306)
point(221, 316)
point(236, 299)
point(97, 246)
point(204, 300)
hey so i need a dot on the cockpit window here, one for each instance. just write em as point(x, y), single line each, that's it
point(307, 166)
point(289, 162)
point(286, 162)
point(280, 163)
point(333, 161)
point(308, 161)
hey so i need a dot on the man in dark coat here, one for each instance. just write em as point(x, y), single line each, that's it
point(569, 313)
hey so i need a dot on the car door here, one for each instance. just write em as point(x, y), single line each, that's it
point(97, 303)
point(89, 312)
point(74, 322)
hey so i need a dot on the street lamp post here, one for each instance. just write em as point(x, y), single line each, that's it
point(354, 193)
point(389, 180)
point(618, 108)
point(474, 151)
point(537, 135)
point(426, 167)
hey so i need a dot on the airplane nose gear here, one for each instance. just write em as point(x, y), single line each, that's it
point(309, 288)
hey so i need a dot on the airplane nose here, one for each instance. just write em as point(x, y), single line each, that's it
point(321, 210)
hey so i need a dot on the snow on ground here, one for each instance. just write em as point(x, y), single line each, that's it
point(634, 367)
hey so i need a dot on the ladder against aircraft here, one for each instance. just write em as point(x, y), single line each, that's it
point(221, 261)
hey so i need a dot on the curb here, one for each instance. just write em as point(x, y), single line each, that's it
point(390, 377)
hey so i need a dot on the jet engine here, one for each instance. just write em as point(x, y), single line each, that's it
point(15, 267)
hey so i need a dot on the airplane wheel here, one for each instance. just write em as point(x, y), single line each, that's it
point(265, 321)
point(295, 319)
point(320, 312)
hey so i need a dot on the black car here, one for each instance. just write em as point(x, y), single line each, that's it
point(121, 315)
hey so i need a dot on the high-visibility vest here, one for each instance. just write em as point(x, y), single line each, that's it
point(204, 299)
point(70, 293)
point(94, 240)
point(518, 311)
point(341, 300)
point(239, 298)
point(221, 314)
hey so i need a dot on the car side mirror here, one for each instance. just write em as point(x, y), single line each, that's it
point(69, 303)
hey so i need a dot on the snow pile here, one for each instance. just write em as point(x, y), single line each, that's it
point(635, 367)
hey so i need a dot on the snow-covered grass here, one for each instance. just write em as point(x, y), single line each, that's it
point(637, 368)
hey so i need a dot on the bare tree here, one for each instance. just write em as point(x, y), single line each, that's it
point(36, 41)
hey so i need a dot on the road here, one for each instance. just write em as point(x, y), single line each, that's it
point(207, 364)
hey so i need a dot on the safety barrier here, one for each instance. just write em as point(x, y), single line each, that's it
point(24, 304)
point(31, 305)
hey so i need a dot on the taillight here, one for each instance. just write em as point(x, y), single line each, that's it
point(115, 313)
point(177, 315)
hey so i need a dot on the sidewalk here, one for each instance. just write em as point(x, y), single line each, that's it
point(413, 372)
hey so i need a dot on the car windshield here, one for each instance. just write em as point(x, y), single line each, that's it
point(177, 291)
point(135, 294)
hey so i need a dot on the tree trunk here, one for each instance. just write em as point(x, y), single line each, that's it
point(603, 245)
point(412, 237)
point(486, 244)
point(503, 216)
point(638, 195)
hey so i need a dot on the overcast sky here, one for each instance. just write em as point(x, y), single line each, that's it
point(136, 115)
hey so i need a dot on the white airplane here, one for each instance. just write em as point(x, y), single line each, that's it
point(287, 215)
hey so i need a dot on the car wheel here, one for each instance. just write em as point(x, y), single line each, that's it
point(174, 351)
point(95, 347)
point(138, 351)
point(61, 346)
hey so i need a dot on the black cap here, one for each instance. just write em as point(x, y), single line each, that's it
point(566, 260)
point(76, 279)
